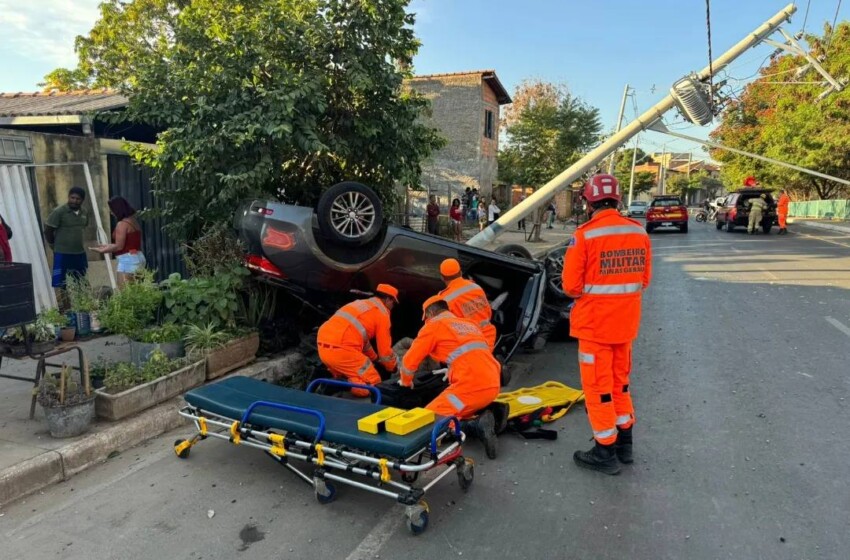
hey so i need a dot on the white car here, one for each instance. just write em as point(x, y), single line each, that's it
point(638, 208)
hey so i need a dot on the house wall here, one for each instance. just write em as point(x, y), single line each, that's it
point(457, 111)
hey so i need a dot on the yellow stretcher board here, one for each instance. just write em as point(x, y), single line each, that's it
point(375, 423)
point(529, 399)
point(409, 421)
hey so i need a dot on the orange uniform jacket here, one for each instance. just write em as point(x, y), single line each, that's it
point(467, 300)
point(474, 374)
point(606, 268)
point(782, 205)
point(356, 324)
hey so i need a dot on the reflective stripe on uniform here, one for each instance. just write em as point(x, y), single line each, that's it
point(614, 230)
point(605, 433)
point(468, 347)
point(365, 367)
point(456, 293)
point(586, 358)
point(624, 419)
point(456, 402)
point(385, 359)
point(355, 323)
point(379, 305)
point(613, 289)
point(484, 323)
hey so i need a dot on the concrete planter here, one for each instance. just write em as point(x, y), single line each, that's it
point(70, 420)
point(141, 397)
point(232, 355)
point(141, 351)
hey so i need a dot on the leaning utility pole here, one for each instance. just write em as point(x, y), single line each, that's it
point(619, 125)
point(653, 114)
point(632, 174)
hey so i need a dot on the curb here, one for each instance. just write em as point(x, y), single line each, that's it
point(819, 225)
point(51, 467)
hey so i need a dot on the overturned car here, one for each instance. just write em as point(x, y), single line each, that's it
point(344, 248)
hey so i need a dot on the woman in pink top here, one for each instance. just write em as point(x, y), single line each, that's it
point(126, 243)
point(456, 218)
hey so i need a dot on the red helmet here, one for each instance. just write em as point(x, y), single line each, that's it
point(600, 187)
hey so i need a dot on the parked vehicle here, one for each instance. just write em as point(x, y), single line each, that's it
point(638, 208)
point(344, 248)
point(667, 211)
point(735, 212)
point(701, 215)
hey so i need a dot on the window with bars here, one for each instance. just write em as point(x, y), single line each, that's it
point(488, 124)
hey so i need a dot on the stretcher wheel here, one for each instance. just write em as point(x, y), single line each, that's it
point(417, 518)
point(409, 477)
point(184, 453)
point(325, 492)
point(465, 474)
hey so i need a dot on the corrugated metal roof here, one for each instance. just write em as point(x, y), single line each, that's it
point(488, 76)
point(59, 103)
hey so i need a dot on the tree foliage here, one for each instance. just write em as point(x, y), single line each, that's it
point(261, 97)
point(547, 130)
point(786, 122)
point(681, 184)
point(644, 180)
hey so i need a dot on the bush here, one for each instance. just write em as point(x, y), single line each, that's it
point(169, 332)
point(133, 308)
point(210, 300)
point(124, 375)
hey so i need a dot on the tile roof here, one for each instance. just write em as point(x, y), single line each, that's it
point(59, 103)
point(488, 76)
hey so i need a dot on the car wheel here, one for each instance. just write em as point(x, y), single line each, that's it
point(554, 270)
point(649, 228)
point(515, 250)
point(684, 228)
point(719, 225)
point(350, 213)
point(766, 228)
point(730, 226)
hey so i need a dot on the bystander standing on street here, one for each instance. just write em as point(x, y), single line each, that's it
point(64, 233)
point(433, 211)
point(521, 224)
point(493, 211)
point(552, 213)
point(482, 214)
point(456, 219)
point(126, 243)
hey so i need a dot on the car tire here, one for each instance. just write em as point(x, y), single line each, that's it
point(718, 225)
point(684, 228)
point(514, 250)
point(350, 214)
point(730, 226)
point(649, 228)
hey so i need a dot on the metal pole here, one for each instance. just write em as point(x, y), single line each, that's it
point(632, 176)
point(101, 234)
point(575, 171)
point(619, 125)
point(752, 155)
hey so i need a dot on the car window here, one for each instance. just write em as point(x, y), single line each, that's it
point(638, 203)
point(666, 202)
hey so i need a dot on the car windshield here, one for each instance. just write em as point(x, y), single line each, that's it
point(666, 202)
point(638, 203)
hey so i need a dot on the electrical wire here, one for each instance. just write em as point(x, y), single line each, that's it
point(805, 18)
point(710, 62)
point(832, 31)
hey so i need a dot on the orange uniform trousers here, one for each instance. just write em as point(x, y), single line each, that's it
point(350, 364)
point(783, 217)
point(474, 382)
point(605, 370)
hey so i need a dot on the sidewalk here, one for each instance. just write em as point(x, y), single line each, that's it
point(840, 226)
point(31, 459)
point(549, 238)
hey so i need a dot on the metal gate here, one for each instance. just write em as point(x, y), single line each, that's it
point(133, 182)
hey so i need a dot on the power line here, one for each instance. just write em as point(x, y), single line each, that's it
point(805, 18)
point(832, 32)
point(710, 62)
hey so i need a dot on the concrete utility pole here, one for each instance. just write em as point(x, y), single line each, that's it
point(619, 125)
point(653, 114)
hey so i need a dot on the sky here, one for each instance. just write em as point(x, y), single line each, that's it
point(594, 47)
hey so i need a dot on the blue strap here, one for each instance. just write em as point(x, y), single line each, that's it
point(438, 429)
point(280, 406)
point(311, 388)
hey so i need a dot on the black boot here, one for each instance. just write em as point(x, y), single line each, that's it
point(601, 458)
point(623, 446)
point(487, 433)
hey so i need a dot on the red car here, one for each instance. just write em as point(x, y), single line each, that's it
point(667, 211)
point(735, 211)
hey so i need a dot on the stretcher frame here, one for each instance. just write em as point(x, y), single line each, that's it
point(445, 451)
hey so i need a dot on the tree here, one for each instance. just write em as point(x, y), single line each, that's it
point(787, 122)
point(262, 97)
point(644, 180)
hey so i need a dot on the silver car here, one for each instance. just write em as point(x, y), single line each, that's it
point(638, 208)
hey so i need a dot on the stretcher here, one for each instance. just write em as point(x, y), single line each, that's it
point(321, 432)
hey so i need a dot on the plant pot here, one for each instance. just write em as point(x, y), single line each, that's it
point(94, 320)
point(140, 351)
point(141, 397)
point(67, 334)
point(42, 347)
point(71, 419)
point(232, 355)
point(83, 323)
point(16, 350)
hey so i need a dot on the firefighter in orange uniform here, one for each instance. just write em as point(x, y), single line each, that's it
point(782, 211)
point(467, 300)
point(345, 340)
point(606, 269)
point(474, 375)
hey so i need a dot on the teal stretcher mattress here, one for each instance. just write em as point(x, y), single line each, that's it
point(232, 397)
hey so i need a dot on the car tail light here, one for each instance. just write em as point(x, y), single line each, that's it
point(277, 239)
point(264, 265)
point(264, 211)
point(733, 213)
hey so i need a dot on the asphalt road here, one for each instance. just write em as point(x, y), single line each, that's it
point(741, 387)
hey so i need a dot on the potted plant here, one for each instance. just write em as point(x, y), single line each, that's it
point(129, 389)
point(68, 405)
point(133, 308)
point(14, 343)
point(222, 350)
point(166, 338)
point(42, 335)
point(55, 319)
point(83, 301)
